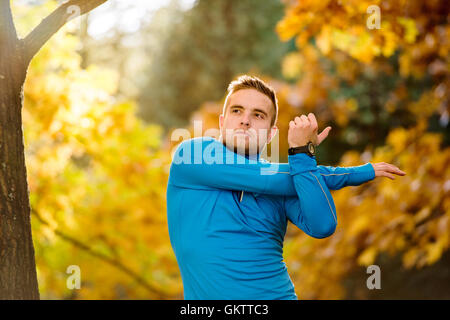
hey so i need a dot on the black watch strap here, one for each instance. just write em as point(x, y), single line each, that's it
point(302, 149)
point(309, 149)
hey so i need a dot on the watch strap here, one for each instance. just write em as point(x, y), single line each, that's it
point(302, 149)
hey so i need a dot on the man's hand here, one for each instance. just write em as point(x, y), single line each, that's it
point(383, 169)
point(304, 129)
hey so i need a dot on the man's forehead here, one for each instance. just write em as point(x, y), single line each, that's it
point(250, 98)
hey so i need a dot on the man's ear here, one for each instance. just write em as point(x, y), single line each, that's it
point(221, 120)
point(273, 133)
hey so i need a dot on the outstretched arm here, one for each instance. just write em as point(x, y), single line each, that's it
point(340, 177)
point(313, 209)
point(383, 169)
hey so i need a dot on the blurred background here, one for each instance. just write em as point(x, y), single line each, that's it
point(105, 93)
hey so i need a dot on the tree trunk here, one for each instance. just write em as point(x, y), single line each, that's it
point(18, 278)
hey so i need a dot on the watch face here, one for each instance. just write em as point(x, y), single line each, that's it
point(311, 148)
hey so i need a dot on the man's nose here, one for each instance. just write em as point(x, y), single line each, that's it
point(245, 121)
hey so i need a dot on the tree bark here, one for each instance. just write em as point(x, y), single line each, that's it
point(18, 278)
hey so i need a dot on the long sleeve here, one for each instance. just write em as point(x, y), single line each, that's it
point(338, 177)
point(312, 209)
point(204, 163)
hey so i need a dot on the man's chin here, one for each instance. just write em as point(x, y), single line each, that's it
point(244, 149)
point(240, 144)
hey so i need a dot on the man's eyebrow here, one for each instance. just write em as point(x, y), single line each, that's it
point(237, 106)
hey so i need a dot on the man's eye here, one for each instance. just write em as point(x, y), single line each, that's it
point(260, 115)
point(235, 110)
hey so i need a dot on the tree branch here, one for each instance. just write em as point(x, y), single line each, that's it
point(114, 262)
point(8, 32)
point(69, 10)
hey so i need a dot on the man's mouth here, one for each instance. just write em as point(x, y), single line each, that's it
point(243, 132)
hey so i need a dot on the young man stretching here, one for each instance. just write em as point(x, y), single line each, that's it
point(228, 210)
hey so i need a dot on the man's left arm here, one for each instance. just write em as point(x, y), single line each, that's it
point(339, 177)
point(313, 209)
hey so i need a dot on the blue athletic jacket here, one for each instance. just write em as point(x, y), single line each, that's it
point(227, 217)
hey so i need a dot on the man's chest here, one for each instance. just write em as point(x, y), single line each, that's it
point(264, 213)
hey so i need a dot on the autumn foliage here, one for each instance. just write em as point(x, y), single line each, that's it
point(380, 89)
point(97, 179)
point(97, 173)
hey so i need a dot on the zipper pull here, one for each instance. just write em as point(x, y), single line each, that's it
point(242, 195)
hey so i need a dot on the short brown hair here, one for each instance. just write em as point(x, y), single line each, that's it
point(251, 82)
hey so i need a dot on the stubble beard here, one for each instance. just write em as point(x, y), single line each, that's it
point(241, 145)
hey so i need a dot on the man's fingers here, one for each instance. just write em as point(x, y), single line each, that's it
point(386, 174)
point(394, 169)
point(383, 169)
point(321, 136)
point(312, 120)
point(391, 168)
point(305, 120)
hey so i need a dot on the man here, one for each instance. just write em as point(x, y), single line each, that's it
point(228, 210)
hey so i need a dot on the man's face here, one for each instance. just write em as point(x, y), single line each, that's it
point(246, 125)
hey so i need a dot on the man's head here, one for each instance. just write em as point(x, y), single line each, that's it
point(249, 115)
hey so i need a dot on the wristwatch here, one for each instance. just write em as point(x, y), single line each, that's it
point(309, 149)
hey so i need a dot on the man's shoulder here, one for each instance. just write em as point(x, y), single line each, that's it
point(204, 141)
point(195, 148)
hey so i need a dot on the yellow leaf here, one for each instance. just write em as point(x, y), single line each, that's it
point(367, 257)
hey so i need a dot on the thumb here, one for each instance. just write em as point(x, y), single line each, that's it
point(323, 135)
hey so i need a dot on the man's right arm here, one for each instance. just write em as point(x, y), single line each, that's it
point(205, 163)
point(313, 209)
